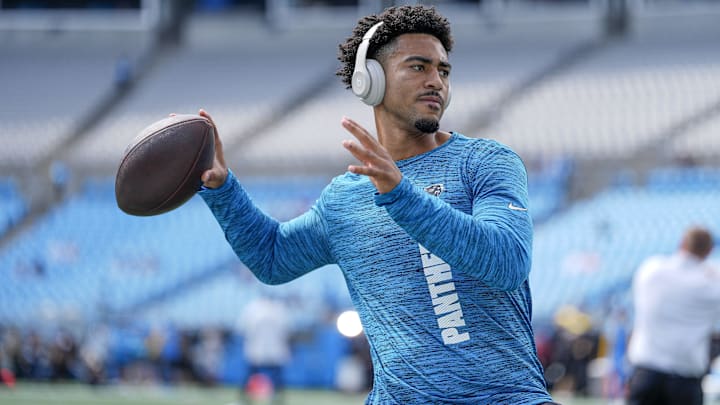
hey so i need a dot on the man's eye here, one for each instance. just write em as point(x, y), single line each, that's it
point(419, 68)
point(445, 73)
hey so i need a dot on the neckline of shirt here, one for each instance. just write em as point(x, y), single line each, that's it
point(407, 161)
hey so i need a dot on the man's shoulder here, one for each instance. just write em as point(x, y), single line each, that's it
point(479, 142)
point(348, 180)
point(346, 187)
point(484, 147)
point(657, 260)
point(654, 263)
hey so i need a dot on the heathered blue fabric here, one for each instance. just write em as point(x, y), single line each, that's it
point(376, 239)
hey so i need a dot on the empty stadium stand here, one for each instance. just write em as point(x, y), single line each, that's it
point(53, 83)
point(617, 101)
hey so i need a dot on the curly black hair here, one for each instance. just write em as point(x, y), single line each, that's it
point(396, 21)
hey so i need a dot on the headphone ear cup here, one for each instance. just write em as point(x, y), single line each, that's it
point(377, 83)
point(361, 83)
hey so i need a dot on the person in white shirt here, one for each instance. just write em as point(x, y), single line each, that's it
point(265, 324)
point(677, 304)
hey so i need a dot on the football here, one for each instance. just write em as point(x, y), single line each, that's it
point(160, 169)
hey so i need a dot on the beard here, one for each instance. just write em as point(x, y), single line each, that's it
point(427, 125)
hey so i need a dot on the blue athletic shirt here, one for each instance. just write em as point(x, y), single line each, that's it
point(437, 269)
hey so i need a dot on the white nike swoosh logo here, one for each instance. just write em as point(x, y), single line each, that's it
point(516, 208)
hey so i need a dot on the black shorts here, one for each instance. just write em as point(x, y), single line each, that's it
point(654, 387)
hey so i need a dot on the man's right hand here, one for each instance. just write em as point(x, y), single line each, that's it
point(215, 176)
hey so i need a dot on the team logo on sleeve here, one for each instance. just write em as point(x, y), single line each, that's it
point(435, 189)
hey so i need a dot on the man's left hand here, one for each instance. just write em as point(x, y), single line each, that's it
point(376, 160)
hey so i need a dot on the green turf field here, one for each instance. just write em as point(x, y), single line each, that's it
point(75, 394)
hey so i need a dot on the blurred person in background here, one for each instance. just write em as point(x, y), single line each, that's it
point(59, 174)
point(616, 332)
point(431, 229)
point(94, 351)
point(265, 326)
point(208, 355)
point(677, 303)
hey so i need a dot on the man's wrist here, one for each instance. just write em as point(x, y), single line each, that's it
point(224, 186)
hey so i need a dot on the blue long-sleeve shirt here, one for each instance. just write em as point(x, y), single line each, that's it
point(437, 269)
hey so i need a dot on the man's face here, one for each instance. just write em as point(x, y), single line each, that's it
point(417, 79)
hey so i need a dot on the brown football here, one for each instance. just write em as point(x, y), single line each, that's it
point(160, 170)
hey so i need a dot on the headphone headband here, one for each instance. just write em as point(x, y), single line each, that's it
point(369, 34)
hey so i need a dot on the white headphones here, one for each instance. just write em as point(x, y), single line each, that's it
point(368, 79)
